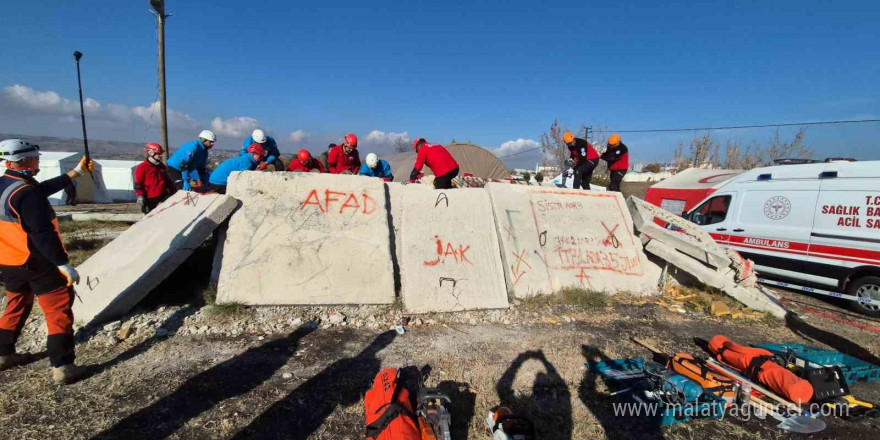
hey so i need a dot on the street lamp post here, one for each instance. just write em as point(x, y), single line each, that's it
point(159, 7)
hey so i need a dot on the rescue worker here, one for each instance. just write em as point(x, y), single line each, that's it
point(617, 156)
point(375, 167)
point(344, 159)
point(305, 163)
point(256, 154)
point(326, 155)
point(189, 163)
point(438, 159)
point(33, 261)
point(584, 158)
point(152, 184)
point(268, 142)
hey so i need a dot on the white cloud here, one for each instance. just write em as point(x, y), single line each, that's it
point(379, 139)
point(240, 126)
point(517, 146)
point(177, 120)
point(297, 137)
point(46, 102)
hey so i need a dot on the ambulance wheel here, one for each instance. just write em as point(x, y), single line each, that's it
point(869, 288)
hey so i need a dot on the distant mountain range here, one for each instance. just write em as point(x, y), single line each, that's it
point(100, 149)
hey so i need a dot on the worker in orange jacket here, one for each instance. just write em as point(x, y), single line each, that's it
point(33, 261)
point(617, 157)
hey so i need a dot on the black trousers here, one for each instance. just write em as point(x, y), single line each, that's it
point(176, 177)
point(445, 181)
point(616, 178)
point(219, 189)
point(583, 173)
point(151, 204)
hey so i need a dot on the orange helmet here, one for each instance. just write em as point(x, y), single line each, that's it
point(418, 142)
point(154, 148)
point(568, 137)
point(351, 140)
point(304, 155)
point(614, 140)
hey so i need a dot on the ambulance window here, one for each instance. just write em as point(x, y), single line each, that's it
point(711, 211)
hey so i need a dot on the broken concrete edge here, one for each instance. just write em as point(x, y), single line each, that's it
point(180, 248)
point(684, 244)
point(101, 216)
point(647, 212)
point(752, 298)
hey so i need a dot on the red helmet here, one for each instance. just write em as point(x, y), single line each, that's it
point(256, 148)
point(304, 155)
point(154, 148)
point(418, 142)
point(351, 140)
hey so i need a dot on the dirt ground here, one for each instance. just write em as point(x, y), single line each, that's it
point(307, 382)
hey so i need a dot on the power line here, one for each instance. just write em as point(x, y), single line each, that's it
point(731, 127)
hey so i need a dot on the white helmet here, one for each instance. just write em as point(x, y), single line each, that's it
point(258, 136)
point(15, 150)
point(372, 160)
point(208, 135)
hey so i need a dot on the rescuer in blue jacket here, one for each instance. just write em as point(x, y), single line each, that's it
point(256, 155)
point(273, 155)
point(375, 167)
point(189, 162)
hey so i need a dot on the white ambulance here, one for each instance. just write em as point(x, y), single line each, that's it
point(816, 225)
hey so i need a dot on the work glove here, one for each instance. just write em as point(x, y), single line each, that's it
point(140, 201)
point(386, 179)
point(262, 166)
point(85, 166)
point(186, 185)
point(70, 273)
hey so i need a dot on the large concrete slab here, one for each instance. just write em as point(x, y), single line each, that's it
point(554, 238)
point(449, 251)
point(118, 276)
point(307, 238)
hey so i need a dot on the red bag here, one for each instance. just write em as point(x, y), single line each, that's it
point(388, 408)
point(757, 364)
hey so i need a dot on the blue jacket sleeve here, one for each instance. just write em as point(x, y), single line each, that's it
point(365, 170)
point(273, 151)
point(386, 170)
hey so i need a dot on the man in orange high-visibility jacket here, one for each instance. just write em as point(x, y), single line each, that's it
point(33, 261)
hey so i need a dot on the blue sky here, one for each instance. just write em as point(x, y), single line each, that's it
point(493, 72)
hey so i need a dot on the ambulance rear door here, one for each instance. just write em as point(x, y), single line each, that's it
point(846, 231)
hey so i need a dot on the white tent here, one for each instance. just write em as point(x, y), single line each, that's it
point(88, 189)
point(54, 164)
point(118, 178)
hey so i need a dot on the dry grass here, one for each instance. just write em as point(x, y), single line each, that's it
point(569, 296)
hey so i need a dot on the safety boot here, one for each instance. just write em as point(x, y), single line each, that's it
point(67, 374)
point(13, 360)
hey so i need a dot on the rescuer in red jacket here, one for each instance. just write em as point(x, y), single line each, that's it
point(438, 159)
point(617, 156)
point(305, 163)
point(152, 184)
point(584, 157)
point(344, 159)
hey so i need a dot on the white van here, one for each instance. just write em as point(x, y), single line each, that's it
point(817, 224)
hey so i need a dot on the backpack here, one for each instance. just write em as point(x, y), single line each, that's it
point(388, 408)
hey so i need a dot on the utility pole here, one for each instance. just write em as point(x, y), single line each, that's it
point(159, 7)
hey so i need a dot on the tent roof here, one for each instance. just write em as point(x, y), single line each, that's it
point(471, 159)
point(697, 178)
point(109, 163)
point(56, 155)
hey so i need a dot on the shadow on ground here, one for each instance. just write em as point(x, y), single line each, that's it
point(201, 392)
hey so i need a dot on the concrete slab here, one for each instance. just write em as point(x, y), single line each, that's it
point(450, 259)
point(119, 275)
point(553, 238)
point(722, 280)
point(307, 238)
